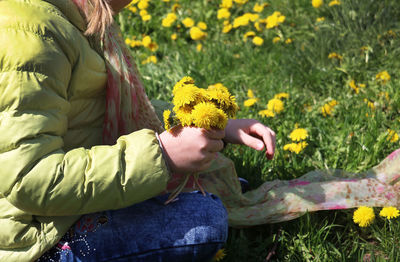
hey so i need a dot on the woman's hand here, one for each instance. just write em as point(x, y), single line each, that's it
point(191, 149)
point(251, 133)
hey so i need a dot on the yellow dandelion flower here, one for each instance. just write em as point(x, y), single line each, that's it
point(334, 2)
point(241, 2)
point(334, 55)
point(166, 116)
point(143, 4)
point(393, 137)
point(175, 7)
point(276, 39)
point(150, 59)
point(250, 102)
point(333, 102)
point(363, 216)
point(266, 113)
point(383, 77)
point(274, 20)
point(317, 3)
point(288, 41)
point(227, 27)
point(199, 47)
point(226, 4)
point(369, 104)
point(247, 35)
point(298, 134)
point(295, 147)
point(222, 98)
point(320, 19)
point(146, 41)
point(250, 93)
point(389, 212)
point(188, 22)
point(281, 95)
point(169, 20)
point(219, 255)
point(202, 25)
point(223, 13)
point(207, 115)
point(258, 40)
point(258, 8)
point(241, 21)
point(275, 105)
point(186, 95)
point(187, 80)
point(184, 115)
point(196, 33)
point(133, 9)
point(353, 86)
point(174, 36)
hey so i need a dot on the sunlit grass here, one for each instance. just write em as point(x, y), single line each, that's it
point(364, 35)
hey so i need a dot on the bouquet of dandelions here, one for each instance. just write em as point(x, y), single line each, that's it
point(204, 108)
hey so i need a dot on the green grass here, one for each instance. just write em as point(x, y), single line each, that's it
point(347, 140)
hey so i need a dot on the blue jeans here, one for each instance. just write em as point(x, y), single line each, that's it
point(191, 228)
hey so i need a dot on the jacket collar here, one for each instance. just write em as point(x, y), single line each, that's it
point(71, 11)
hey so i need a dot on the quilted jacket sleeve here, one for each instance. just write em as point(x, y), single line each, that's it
point(36, 175)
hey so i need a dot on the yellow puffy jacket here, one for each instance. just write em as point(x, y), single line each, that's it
point(53, 167)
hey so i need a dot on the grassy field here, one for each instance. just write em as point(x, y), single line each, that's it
point(343, 58)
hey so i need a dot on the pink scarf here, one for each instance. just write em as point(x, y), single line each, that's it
point(128, 108)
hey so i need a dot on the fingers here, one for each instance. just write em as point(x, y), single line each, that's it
point(268, 137)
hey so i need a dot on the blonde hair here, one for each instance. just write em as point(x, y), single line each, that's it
point(99, 16)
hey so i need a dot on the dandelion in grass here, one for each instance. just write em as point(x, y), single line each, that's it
point(219, 255)
point(275, 105)
point(266, 113)
point(281, 95)
point(320, 19)
point(295, 147)
point(144, 15)
point(274, 20)
point(199, 47)
point(196, 33)
point(241, 21)
point(389, 212)
point(317, 3)
point(288, 41)
point(143, 4)
point(393, 137)
point(166, 116)
point(223, 13)
point(334, 2)
point(169, 20)
point(334, 55)
point(248, 34)
point(298, 134)
point(276, 39)
point(258, 8)
point(364, 216)
point(188, 22)
point(175, 7)
point(383, 77)
point(258, 41)
point(174, 36)
point(251, 99)
point(353, 86)
point(370, 104)
point(202, 25)
point(328, 108)
point(241, 2)
point(226, 4)
point(150, 59)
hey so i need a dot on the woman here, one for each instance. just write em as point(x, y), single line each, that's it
point(82, 166)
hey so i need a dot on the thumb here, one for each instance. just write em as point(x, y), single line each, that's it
point(252, 142)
